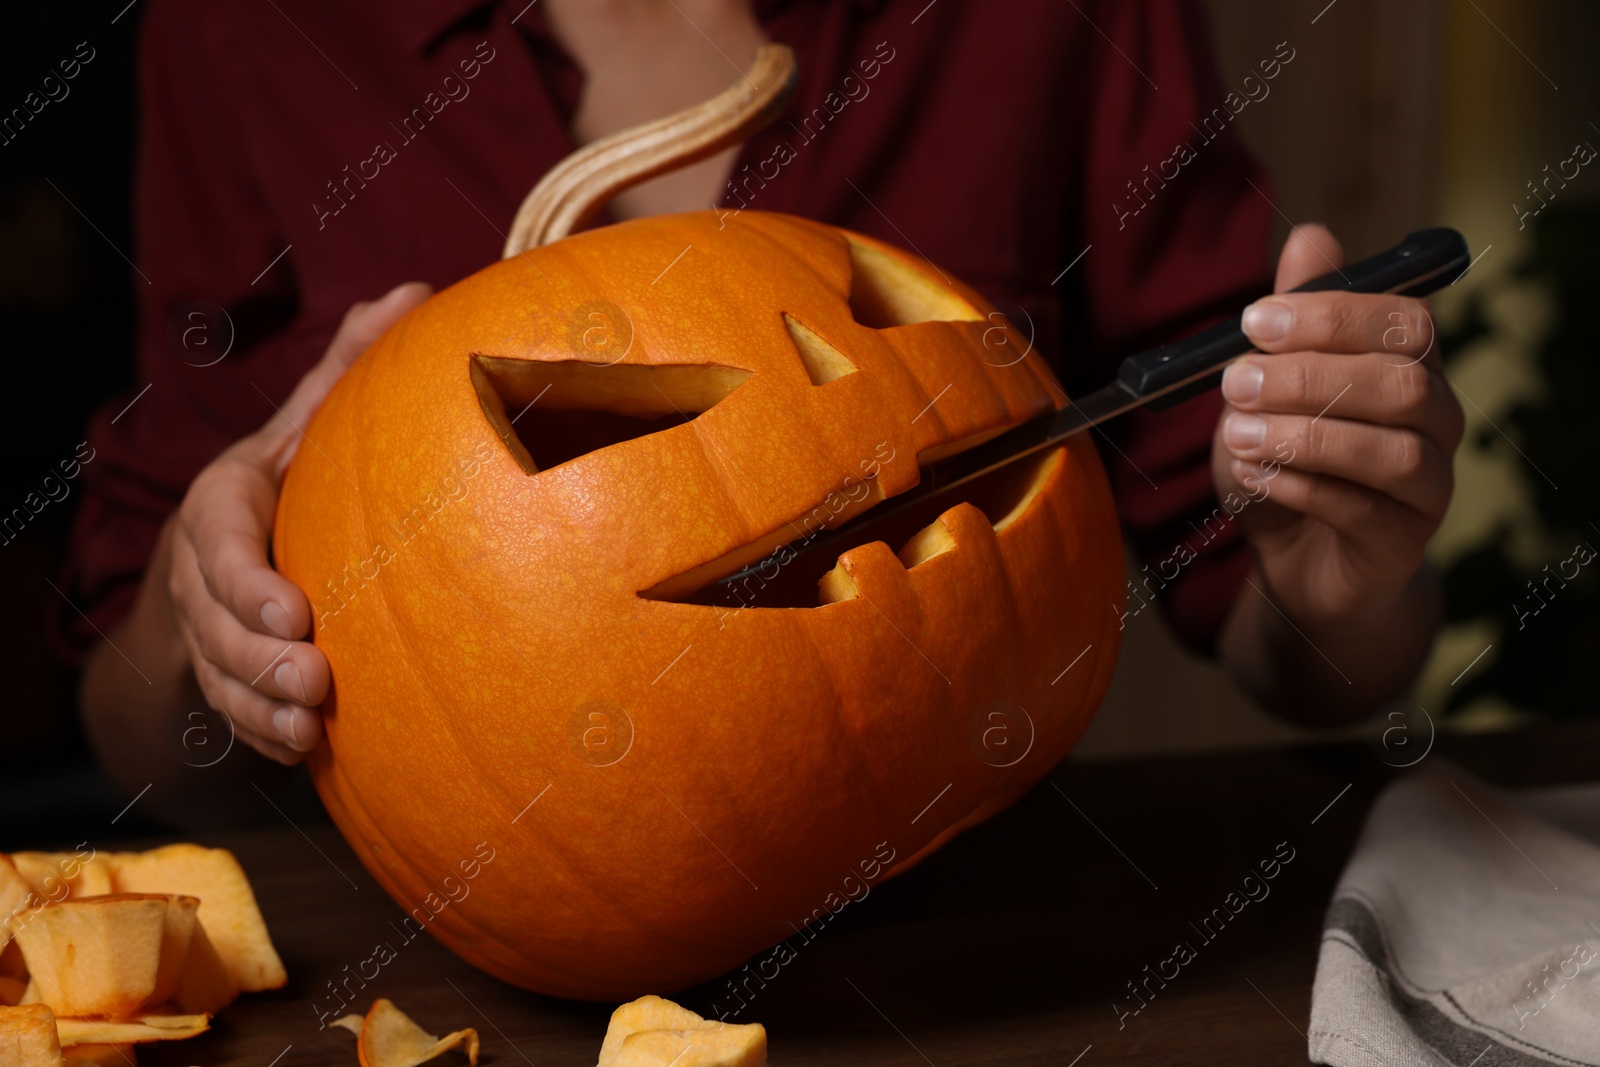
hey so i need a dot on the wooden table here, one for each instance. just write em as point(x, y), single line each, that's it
point(1009, 947)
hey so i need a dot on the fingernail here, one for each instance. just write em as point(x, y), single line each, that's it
point(1243, 432)
point(274, 618)
point(1267, 320)
point(288, 678)
point(286, 722)
point(1241, 383)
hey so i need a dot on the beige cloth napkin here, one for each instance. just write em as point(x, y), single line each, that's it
point(1465, 930)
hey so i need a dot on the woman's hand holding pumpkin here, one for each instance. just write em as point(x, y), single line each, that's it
point(243, 625)
point(1341, 434)
point(212, 612)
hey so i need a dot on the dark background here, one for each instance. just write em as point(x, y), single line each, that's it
point(66, 316)
point(1393, 116)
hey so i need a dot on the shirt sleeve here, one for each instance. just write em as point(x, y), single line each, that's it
point(1177, 221)
point(213, 319)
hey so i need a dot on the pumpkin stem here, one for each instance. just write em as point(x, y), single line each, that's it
point(574, 189)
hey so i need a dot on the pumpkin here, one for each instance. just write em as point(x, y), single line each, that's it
point(565, 750)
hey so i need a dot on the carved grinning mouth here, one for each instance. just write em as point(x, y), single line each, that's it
point(1003, 497)
point(548, 412)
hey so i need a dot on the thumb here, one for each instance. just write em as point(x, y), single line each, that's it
point(1310, 252)
point(363, 324)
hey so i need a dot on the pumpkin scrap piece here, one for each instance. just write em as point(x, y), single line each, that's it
point(57, 876)
point(390, 1039)
point(228, 910)
point(28, 1037)
point(701, 1047)
point(654, 1032)
point(236, 935)
point(136, 1031)
point(14, 893)
point(207, 986)
point(177, 938)
point(100, 1056)
point(105, 956)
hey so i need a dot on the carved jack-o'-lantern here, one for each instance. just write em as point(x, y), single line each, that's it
point(508, 515)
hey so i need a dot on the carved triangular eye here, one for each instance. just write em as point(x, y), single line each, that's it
point(550, 411)
point(823, 362)
point(885, 292)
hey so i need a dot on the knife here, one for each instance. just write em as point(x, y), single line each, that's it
point(1156, 378)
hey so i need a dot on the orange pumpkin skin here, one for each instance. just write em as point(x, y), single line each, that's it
point(771, 758)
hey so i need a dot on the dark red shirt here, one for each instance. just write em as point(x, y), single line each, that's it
point(302, 155)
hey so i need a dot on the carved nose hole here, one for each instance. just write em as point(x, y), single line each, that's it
point(823, 362)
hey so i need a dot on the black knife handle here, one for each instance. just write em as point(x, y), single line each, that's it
point(1425, 261)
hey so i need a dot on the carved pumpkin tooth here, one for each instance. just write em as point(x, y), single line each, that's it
point(836, 586)
point(932, 540)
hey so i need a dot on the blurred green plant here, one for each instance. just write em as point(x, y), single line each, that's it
point(1546, 662)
